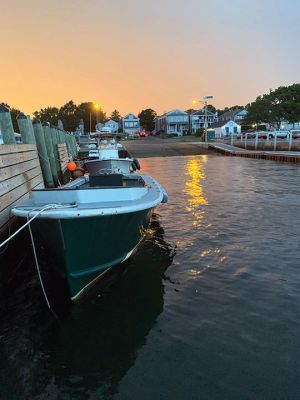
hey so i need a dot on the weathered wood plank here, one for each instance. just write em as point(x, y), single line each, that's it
point(63, 157)
point(12, 159)
point(5, 215)
point(17, 169)
point(16, 148)
point(18, 192)
point(9, 184)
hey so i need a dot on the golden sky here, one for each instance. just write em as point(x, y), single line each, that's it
point(135, 54)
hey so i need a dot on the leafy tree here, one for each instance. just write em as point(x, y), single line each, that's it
point(49, 114)
point(232, 108)
point(190, 111)
point(116, 116)
point(211, 108)
point(147, 118)
point(67, 113)
point(276, 106)
point(88, 112)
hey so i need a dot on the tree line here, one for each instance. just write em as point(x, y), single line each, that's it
point(70, 114)
point(280, 104)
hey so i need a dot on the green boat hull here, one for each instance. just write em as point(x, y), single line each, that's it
point(84, 248)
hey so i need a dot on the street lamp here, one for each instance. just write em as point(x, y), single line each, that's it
point(97, 107)
point(205, 98)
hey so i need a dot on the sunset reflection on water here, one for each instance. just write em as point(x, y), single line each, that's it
point(195, 173)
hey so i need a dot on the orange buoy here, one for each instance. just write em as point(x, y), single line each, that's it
point(71, 166)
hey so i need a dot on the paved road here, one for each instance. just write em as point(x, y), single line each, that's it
point(156, 147)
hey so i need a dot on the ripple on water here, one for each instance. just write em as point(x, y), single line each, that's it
point(208, 307)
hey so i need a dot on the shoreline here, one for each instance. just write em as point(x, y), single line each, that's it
point(156, 147)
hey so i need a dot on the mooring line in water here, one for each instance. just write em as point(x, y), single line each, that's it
point(45, 208)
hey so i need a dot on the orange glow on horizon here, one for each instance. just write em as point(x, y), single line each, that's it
point(54, 52)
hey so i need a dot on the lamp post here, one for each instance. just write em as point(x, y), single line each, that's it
point(204, 101)
point(97, 107)
point(205, 98)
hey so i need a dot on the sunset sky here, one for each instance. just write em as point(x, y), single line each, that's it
point(135, 54)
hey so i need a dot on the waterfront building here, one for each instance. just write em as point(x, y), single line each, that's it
point(173, 122)
point(237, 116)
point(222, 129)
point(112, 125)
point(131, 124)
point(197, 119)
point(98, 127)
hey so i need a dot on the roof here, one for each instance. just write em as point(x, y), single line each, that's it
point(202, 112)
point(130, 116)
point(219, 124)
point(228, 115)
point(176, 111)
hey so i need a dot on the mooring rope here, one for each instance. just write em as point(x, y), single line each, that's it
point(29, 220)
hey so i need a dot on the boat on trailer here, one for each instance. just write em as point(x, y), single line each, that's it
point(92, 223)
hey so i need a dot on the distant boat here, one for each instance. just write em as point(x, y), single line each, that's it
point(98, 224)
point(106, 159)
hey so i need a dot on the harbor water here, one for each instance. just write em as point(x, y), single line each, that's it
point(207, 308)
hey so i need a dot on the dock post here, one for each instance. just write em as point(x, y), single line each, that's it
point(256, 140)
point(246, 137)
point(6, 125)
point(290, 141)
point(75, 145)
point(49, 146)
point(68, 144)
point(60, 125)
point(55, 150)
point(26, 130)
point(275, 141)
point(42, 151)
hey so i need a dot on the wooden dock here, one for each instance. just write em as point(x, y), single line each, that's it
point(281, 156)
point(37, 163)
point(20, 172)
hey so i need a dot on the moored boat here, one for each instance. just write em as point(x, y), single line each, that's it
point(93, 223)
point(106, 159)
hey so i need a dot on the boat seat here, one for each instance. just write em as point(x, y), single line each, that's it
point(106, 180)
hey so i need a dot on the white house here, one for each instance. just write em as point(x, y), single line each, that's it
point(223, 129)
point(112, 125)
point(175, 121)
point(131, 124)
point(197, 119)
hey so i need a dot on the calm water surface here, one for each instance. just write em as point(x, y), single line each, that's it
point(208, 308)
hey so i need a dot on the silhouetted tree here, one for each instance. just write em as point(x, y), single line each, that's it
point(147, 118)
point(49, 114)
point(116, 116)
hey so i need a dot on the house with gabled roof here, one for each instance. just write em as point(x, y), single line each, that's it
point(198, 118)
point(234, 115)
point(112, 125)
point(173, 122)
point(222, 129)
point(131, 124)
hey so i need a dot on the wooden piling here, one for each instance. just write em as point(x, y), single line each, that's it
point(25, 129)
point(6, 125)
point(55, 150)
point(49, 146)
point(42, 150)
